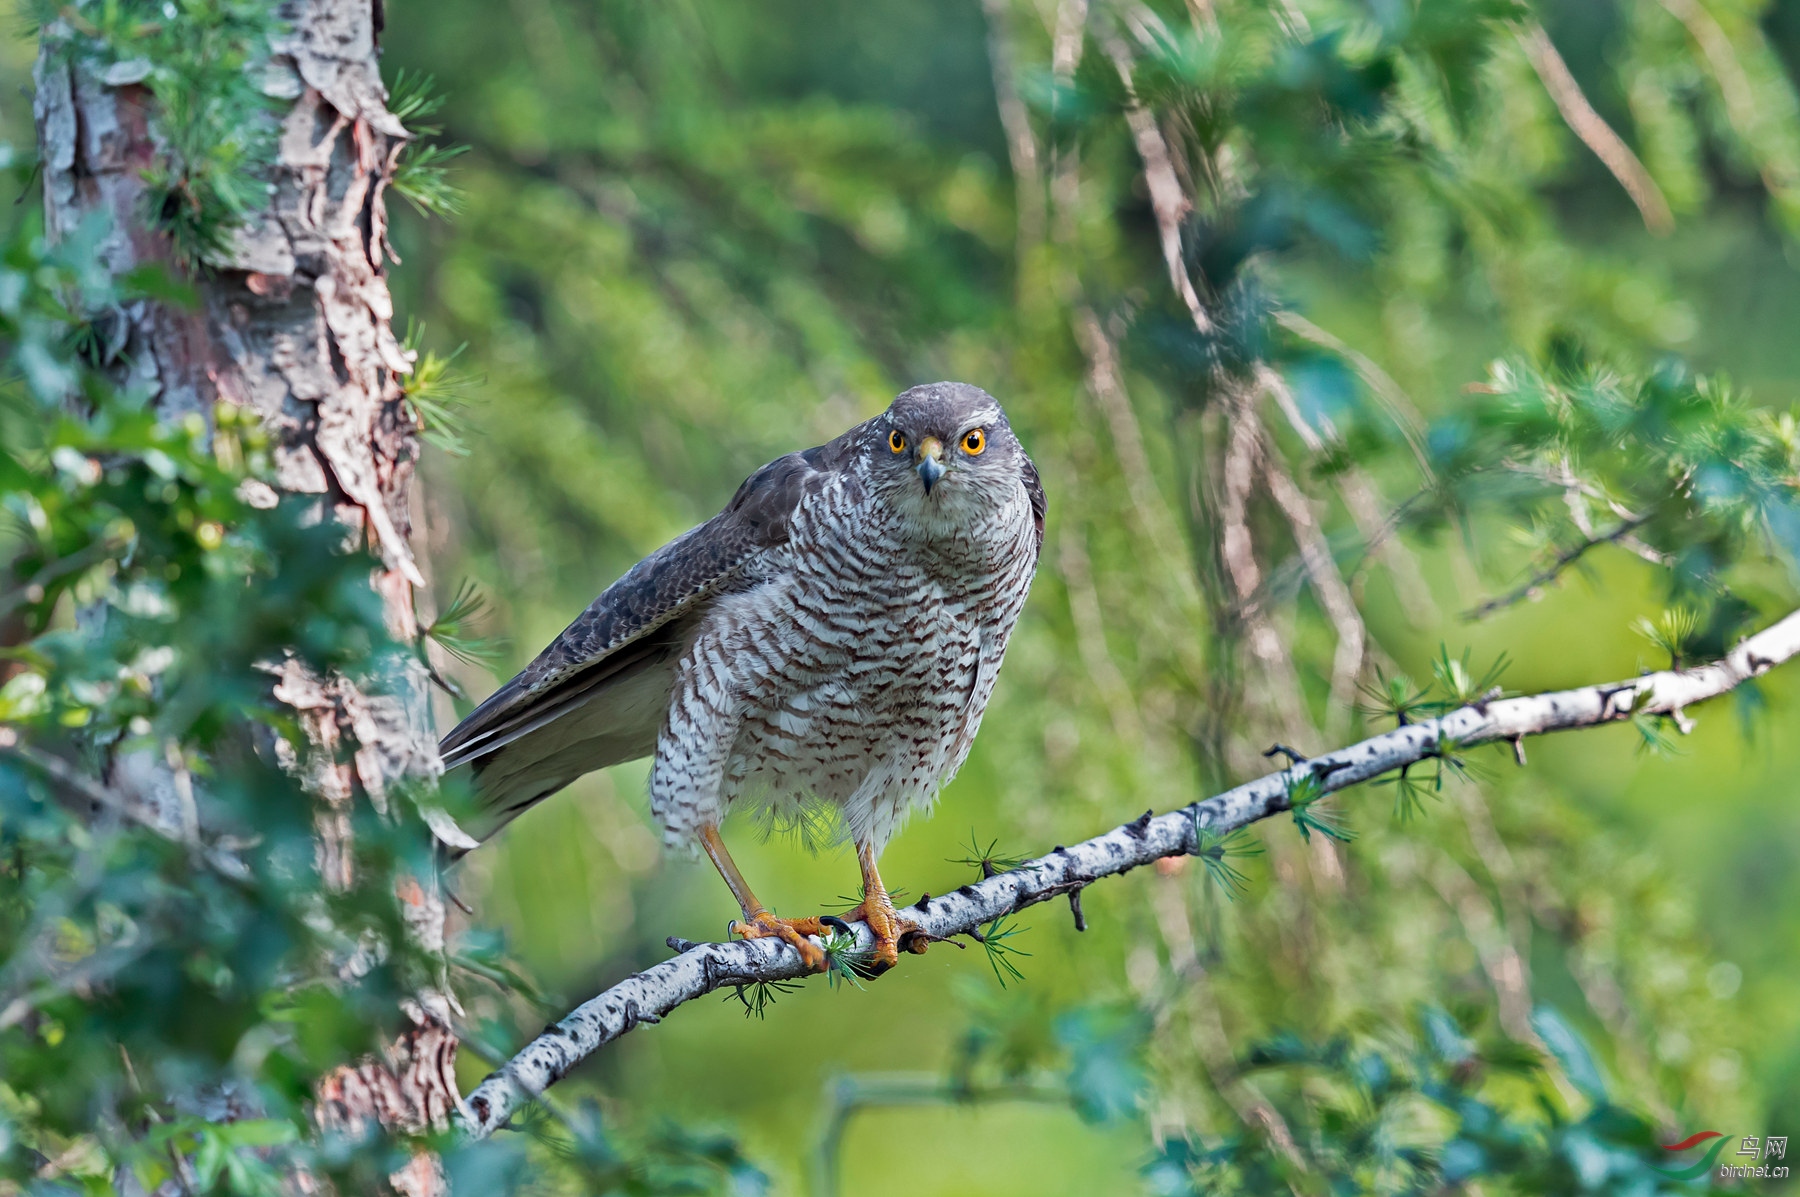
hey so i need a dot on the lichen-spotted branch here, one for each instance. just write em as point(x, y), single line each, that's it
point(649, 996)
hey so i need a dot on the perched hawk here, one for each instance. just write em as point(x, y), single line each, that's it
point(829, 640)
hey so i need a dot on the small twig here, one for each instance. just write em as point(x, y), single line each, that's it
point(32, 590)
point(1400, 407)
point(183, 1168)
point(1075, 909)
point(456, 899)
point(1240, 467)
point(847, 1095)
point(73, 782)
point(1237, 480)
point(83, 786)
point(186, 805)
point(1106, 383)
point(1167, 199)
point(445, 684)
point(1067, 38)
point(1327, 583)
point(1554, 570)
point(1742, 108)
point(1593, 130)
point(1089, 620)
point(1360, 496)
point(1015, 122)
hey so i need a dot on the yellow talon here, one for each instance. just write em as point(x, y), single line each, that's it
point(760, 924)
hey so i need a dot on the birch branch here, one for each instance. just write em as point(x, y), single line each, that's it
point(699, 969)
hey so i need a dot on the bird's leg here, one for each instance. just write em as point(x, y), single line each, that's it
point(877, 910)
point(758, 922)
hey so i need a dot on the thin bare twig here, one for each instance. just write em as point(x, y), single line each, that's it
point(1400, 407)
point(1507, 971)
point(1066, 39)
point(846, 1096)
point(74, 781)
point(1206, 1029)
point(1015, 121)
point(1568, 557)
point(1066, 44)
point(1592, 128)
point(1243, 446)
point(70, 783)
point(1090, 636)
point(1497, 860)
point(31, 590)
point(651, 995)
point(1167, 199)
point(1328, 584)
point(1204, 16)
point(1360, 499)
point(1741, 107)
point(1246, 444)
point(1106, 383)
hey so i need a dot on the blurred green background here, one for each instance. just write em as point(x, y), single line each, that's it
point(697, 235)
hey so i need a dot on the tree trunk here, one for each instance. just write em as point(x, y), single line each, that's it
point(295, 323)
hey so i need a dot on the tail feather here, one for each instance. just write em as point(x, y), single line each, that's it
point(590, 722)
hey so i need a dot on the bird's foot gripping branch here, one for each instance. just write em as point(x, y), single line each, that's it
point(699, 969)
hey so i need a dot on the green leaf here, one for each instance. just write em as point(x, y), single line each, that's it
point(1002, 956)
point(1570, 1051)
point(453, 631)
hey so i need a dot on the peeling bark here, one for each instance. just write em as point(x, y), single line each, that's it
point(295, 322)
point(411, 1089)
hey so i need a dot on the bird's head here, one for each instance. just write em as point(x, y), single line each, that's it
point(944, 454)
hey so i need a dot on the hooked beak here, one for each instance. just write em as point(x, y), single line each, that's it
point(931, 462)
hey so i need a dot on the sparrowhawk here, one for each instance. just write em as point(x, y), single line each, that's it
point(827, 643)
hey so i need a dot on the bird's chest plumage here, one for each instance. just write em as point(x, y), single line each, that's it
point(877, 654)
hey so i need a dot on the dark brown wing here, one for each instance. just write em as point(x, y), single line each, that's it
point(597, 694)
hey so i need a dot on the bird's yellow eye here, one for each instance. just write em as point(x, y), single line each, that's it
point(897, 441)
point(974, 441)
